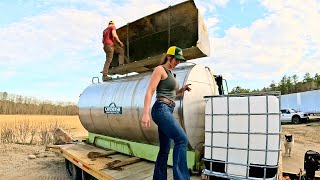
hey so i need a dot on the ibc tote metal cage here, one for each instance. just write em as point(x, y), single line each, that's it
point(220, 167)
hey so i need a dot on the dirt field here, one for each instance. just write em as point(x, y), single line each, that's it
point(306, 137)
point(15, 163)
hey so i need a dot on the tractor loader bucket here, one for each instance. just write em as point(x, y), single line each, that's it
point(146, 40)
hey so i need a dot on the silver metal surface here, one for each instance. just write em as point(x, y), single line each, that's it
point(128, 93)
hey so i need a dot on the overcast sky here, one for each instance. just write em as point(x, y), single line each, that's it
point(50, 49)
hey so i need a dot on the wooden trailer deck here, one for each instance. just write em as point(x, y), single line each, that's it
point(124, 167)
point(98, 167)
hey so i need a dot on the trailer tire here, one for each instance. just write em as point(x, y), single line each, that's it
point(73, 171)
point(87, 176)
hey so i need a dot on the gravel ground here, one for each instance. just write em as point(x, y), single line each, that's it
point(15, 163)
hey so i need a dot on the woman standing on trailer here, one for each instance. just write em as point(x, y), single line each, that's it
point(163, 80)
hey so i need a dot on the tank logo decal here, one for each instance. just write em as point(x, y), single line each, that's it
point(112, 109)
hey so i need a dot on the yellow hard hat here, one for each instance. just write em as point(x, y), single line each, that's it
point(176, 52)
point(111, 22)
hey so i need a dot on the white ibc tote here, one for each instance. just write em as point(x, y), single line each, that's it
point(242, 135)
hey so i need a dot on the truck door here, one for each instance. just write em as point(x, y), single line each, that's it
point(285, 116)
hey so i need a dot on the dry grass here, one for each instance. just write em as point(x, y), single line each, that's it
point(37, 129)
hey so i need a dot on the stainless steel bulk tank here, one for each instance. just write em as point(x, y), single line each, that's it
point(114, 108)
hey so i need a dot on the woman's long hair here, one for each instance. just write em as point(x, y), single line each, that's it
point(167, 58)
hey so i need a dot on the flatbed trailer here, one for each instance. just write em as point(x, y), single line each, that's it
point(110, 164)
point(114, 165)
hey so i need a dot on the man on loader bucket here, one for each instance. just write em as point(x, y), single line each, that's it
point(110, 47)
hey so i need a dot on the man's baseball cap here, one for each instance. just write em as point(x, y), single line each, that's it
point(111, 22)
point(176, 52)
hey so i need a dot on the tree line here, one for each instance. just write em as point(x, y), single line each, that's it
point(17, 104)
point(287, 85)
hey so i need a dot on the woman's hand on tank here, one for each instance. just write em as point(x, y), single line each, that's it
point(183, 89)
point(186, 87)
point(145, 120)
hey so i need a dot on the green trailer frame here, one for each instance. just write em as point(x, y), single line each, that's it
point(144, 151)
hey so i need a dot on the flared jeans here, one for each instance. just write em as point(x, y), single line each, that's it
point(169, 129)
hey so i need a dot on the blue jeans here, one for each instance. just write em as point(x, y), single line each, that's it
point(169, 128)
